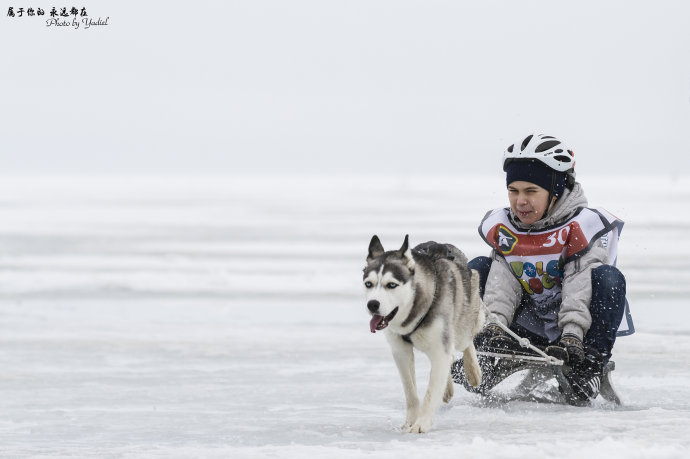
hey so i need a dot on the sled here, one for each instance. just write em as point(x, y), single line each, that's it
point(497, 366)
point(499, 363)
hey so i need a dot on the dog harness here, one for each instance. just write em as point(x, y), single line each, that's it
point(407, 338)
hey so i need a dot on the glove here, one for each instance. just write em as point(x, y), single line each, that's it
point(569, 349)
point(490, 331)
point(573, 345)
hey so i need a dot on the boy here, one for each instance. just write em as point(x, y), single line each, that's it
point(551, 277)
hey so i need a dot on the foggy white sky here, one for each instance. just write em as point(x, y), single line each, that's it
point(349, 87)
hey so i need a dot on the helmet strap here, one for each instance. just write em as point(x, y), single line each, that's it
point(570, 181)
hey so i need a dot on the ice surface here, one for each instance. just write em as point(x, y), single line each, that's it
point(225, 318)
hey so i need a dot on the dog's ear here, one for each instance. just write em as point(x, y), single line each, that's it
point(375, 248)
point(406, 253)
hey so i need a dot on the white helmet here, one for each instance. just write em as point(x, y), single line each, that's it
point(546, 149)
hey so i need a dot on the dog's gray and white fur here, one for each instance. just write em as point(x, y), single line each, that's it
point(426, 298)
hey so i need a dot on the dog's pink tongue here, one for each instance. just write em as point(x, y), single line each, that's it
point(375, 321)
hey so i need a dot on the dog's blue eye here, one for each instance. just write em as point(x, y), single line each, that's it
point(392, 285)
point(368, 284)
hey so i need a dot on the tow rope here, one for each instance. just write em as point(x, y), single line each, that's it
point(524, 342)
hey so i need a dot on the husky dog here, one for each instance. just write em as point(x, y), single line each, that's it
point(426, 298)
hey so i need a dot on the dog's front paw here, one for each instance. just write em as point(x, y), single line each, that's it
point(420, 426)
point(409, 422)
point(410, 417)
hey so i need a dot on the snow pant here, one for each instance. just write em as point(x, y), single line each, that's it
point(607, 306)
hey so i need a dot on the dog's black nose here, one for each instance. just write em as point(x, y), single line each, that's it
point(373, 305)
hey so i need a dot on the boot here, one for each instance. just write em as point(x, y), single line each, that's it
point(494, 370)
point(585, 378)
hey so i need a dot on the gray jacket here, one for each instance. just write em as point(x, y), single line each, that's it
point(503, 291)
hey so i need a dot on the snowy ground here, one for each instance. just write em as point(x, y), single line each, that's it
point(224, 318)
